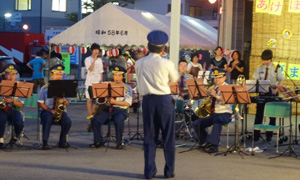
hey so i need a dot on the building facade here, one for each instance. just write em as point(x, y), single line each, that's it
point(37, 14)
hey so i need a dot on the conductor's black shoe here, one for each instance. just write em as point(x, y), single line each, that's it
point(1, 146)
point(97, 145)
point(45, 147)
point(150, 177)
point(269, 139)
point(120, 146)
point(170, 176)
point(13, 141)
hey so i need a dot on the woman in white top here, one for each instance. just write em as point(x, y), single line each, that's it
point(94, 67)
point(194, 67)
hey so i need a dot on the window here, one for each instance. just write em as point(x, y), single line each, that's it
point(195, 11)
point(59, 5)
point(87, 6)
point(23, 5)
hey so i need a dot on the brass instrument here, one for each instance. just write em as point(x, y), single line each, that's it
point(59, 108)
point(2, 103)
point(241, 80)
point(204, 109)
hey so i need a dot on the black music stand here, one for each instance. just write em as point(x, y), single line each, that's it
point(62, 89)
point(205, 75)
point(137, 136)
point(15, 89)
point(108, 90)
point(197, 91)
point(235, 94)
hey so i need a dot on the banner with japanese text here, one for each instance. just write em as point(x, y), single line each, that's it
point(66, 61)
point(293, 71)
point(262, 6)
point(294, 6)
point(269, 6)
point(276, 7)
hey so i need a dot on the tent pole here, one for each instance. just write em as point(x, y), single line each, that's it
point(175, 31)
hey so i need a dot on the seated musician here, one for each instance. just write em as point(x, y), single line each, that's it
point(220, 115)
point(9, 107)
point(50, 111)
point(268, 71)
point(182, 69)
point(118, 114)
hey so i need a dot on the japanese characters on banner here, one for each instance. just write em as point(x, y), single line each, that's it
point(293, 70)
point(294, 6)
point(270, 6)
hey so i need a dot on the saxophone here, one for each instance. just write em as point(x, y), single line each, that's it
point(59, 108)
point(2, 104)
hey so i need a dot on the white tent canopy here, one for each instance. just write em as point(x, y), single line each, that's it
point(113, 26)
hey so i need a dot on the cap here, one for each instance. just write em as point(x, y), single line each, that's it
point(157, 38)
point(127, 53)
point(58, 68)
point(218, 72)
point(11, 68)
point(118, 69)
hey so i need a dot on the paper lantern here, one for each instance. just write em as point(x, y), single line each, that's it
point(108, 53)
point(57, 49)
point(71, 49)
point(83, 50)
point(144, 50)
point(102, 52)
point(115, 52)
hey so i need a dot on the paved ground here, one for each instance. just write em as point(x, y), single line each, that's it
point(84, 163)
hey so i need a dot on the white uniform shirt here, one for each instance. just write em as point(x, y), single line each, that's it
point(221, 107)
point(153, 75)
point(93, 76)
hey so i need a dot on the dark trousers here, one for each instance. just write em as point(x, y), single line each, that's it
point(260, 107)
point(158, 114)
point(14, 117)
point(36, 83)
point(47, 122)
point(217, 120)
point(118, 117)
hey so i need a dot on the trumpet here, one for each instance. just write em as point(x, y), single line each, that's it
point(241, 80)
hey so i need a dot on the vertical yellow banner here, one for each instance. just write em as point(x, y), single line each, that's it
point(294, 6)
point(262, 6)
point(276, 7)
point(294, 71)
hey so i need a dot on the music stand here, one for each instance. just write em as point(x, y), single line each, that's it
point(197, 91)
point(235, 94)
point(108, 90)
point(205, 76)
point(62, 89)
point(291, 96)
point(15, 89)
point(258, 86)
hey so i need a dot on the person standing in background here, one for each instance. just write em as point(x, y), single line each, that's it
point(37, 66)
point(94, 67)
point(219, 61)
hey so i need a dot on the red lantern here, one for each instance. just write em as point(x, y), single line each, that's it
point(144, 50)
point(115, 52)
point(200, 56)
point(83, 50)
point(71, 49)
point(57, 49)
point(108, 53)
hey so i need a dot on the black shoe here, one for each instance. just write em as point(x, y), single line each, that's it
point(63, 145)
point(13, 141)
point(1, 146)
point(170, 176)
point(45, 147)
point(212, 149)
point(151, 177)
point(120, 146)
point(97, 145)
point(206, 146)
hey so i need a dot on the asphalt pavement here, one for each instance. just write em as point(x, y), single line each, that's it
point(82, 162)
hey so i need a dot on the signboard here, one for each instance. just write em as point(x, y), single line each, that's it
point(15, 17)
point(50, 33)
point(66, 61)
point(73, 57)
